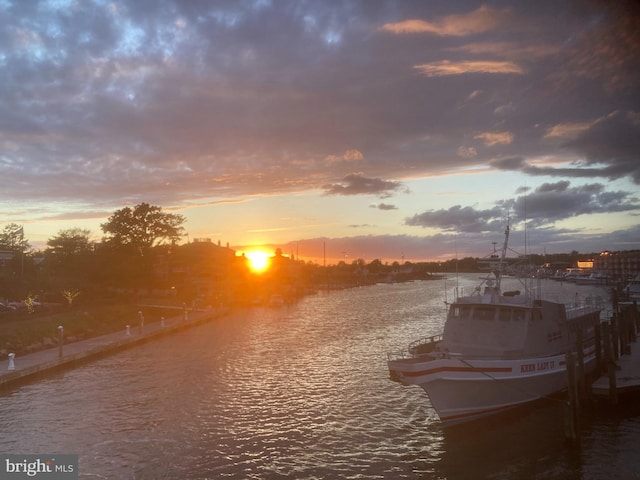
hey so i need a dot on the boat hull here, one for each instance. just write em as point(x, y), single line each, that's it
point(465, 390)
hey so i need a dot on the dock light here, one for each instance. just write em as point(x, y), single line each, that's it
point(60, 339)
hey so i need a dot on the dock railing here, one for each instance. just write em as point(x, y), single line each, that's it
point(581, 306)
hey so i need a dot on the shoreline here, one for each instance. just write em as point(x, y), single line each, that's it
point(33, 365)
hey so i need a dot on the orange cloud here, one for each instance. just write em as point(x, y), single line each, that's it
point(567, 130)
point(445, 67)
point(481, 20)
point(467, 152)
point(495, 138)
point(352, 155)
point(511, 49)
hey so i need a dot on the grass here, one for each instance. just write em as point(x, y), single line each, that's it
point(22, 333)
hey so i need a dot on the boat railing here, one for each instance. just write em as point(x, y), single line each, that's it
point(422, 346)
point(425, 343)
point(582, 306)
point(396, 355)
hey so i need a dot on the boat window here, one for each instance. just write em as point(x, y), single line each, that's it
point(484, 313)
point(460, 312)
point(505, 314)
point(519, 315)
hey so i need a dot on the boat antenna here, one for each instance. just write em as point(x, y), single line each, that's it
point(526, 253)
point(455, 246)
point(503, 257)
point(446, 300)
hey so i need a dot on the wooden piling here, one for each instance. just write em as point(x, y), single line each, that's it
point(615, 337)
point(611, 358)
point(630, 328)
point(580, 374)
point(613, 383)
point(622, 329)
point(609, 361)
point(634, 315)
point(598, 347)
point(571, 407)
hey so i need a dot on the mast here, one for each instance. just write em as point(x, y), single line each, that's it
point(503, 256)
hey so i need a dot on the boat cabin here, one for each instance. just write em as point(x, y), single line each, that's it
point(505, 330)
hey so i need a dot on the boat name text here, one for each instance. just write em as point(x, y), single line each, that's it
point(536, 367)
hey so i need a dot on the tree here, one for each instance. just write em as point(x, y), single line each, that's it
point(12, 238)
point(30, 302)
point(70, 295)
point(69, 258)
point(142, 227)
point(73, 241)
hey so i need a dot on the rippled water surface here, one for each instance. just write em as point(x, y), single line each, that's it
point(298, 392)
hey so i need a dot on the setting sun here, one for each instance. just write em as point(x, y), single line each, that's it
point(258, 260)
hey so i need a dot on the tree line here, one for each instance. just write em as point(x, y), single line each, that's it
point(72, 261)
point(140, 251)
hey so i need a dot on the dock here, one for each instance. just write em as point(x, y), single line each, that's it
point(23, 368)
point(627, 375)
point(617, 366)
point(620, 355)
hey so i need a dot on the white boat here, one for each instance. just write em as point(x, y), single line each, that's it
point(576, 274)
point(559, 275)
point(498, 350)
point(594, 278)
point(631, 293)
point(632, 290)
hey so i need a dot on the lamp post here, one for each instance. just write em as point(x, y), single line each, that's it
point(60, 340)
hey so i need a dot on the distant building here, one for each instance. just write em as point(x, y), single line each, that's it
point(200, 269)
point(585, 264)
point(618, 266)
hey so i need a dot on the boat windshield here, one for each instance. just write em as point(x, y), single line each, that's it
point(485, 329)
point(487, 313)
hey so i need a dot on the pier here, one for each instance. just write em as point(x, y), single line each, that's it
point(619, 355)
point(617, 366)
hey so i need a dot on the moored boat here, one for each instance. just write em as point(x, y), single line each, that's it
point(576, 275)
point(632, 290)
point(498, 350)
point(594, 278)
point(631, 293)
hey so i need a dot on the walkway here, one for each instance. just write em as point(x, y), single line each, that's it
point(627, 375)
point(28, 366)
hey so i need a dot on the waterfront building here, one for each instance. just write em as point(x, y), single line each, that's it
point(618, 266)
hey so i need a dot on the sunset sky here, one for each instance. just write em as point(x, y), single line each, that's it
point(370, 129)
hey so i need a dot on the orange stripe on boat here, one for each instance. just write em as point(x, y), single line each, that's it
point(459, 369)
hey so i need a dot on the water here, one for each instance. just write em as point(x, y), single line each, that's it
point(298, 392)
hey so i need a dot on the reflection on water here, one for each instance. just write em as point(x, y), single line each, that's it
point(298, 392)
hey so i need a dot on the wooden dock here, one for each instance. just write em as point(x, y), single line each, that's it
point(627, 375)
point(620, 356)
point(617, 365)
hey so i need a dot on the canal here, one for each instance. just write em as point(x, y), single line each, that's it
point(298, 392)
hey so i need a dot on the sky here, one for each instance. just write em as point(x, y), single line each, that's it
point(338, 130)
